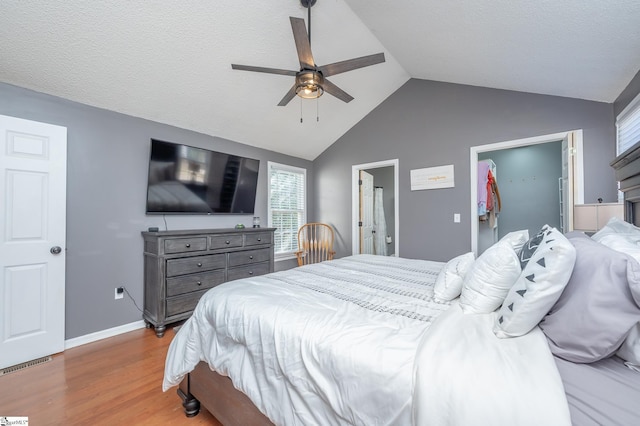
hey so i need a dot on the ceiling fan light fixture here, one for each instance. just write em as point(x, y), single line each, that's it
point(309, 84)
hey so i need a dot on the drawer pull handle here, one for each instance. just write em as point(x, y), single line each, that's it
point(187, 245)
point(251, 257)
point(250, 272)
point(199, 264)
point(259, 239)
point(199, 283)
point(227, 242)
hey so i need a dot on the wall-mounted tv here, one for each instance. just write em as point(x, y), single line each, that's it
point(188, 180)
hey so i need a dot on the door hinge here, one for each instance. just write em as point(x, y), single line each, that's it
point(359, 181)
point(359, 223)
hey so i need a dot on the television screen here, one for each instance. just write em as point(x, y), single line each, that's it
point(185, 179)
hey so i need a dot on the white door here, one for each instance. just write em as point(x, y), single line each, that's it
point(568, 165)
point(33, 158)
point(366, 213)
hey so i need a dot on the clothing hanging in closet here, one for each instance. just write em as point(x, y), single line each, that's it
point(489, 202)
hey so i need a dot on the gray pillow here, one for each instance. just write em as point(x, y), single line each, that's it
point(599, 305)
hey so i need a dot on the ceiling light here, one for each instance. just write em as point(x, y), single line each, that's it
point(309, 84)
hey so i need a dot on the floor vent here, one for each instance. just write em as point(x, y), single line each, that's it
point(24, 365)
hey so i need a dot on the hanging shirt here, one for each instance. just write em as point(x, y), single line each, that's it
point(483, 177)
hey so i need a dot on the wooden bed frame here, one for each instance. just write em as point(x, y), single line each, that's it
point(216, 393)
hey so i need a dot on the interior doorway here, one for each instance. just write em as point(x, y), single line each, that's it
point(570, 186)
point(33, 161)
point(381, 171)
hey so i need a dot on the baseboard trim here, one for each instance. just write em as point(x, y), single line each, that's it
point(103, 334)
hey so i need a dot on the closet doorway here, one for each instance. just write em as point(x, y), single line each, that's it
point(369, 181)
point(554, 205)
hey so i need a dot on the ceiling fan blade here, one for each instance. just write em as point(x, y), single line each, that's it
point(290, 95)
point(334, 90)
point(263, 69)
point(302, 43)
point(351, 64)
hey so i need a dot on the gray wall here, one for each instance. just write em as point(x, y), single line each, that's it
point(428, 123)
point(383, 176)
point(628, 94)
point(108, 156)
point(527, 179)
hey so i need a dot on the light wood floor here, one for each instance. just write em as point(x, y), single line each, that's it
point(115, 381)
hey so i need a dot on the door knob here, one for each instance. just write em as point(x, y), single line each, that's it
point(55, 250)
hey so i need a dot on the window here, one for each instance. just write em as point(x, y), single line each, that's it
point(628, 126)
point(287, 206)
point(627, 131)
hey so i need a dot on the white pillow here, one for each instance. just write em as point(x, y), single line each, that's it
point(489, 279)
point(623, 243)
point(538, 287)
point(618, 226)
point(516, 239)
point(624, 237)
point(630, 349)
point(449, 282)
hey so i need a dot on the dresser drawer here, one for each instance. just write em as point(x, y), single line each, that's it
point(248, 271)
point(193, 282)
point(195, 264)
point(248, 257)
point(183, 303)
point(257, 238)
point(224, 241)
point(185, 245)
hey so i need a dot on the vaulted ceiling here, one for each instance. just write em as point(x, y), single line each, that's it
point(170, 61)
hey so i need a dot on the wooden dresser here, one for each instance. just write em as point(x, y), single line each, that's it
point(180, 266)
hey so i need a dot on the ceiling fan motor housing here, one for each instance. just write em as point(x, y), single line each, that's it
point(309, 84)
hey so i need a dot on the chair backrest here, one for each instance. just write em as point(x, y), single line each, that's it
point(315, 243)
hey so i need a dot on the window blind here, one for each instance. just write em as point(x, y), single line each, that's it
point(628, 126)
point(287, 206)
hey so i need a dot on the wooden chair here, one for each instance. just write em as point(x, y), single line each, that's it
point(315, 243)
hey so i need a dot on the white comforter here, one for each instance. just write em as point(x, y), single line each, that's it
point(336, 343)
point(464, 375)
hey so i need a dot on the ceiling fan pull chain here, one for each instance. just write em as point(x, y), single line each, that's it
point(317, 109)
point(300, 110)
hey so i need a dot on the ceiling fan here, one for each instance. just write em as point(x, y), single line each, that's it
point(311, 81)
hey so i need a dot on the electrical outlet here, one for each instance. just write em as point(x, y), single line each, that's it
point(456, 217)
point(119, 293)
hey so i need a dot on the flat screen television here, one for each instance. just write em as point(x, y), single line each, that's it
point(187, 180)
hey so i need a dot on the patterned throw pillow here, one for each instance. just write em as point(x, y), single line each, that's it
point(539, 286)
point(531, 246)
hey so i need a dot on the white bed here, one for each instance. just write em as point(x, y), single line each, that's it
point(361, 340)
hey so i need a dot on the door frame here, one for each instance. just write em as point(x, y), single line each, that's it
point(355, 201)
point(577, 184)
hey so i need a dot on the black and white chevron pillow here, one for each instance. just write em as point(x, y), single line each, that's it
point(539, 285)
point(530, 247)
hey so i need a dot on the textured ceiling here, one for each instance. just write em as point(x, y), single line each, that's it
point(170, 61)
